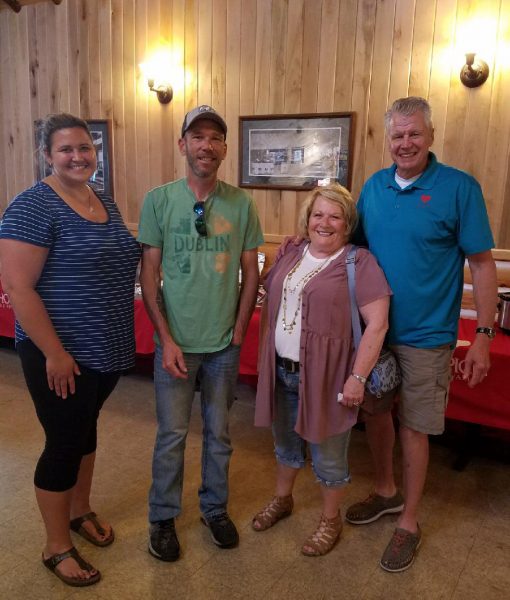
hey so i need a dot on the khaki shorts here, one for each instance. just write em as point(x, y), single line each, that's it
point(424, 389)
point(423, 394)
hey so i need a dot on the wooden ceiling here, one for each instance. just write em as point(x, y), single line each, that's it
point(16, 5)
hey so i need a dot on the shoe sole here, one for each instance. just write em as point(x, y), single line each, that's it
point(388, 570)
point(219, 544)
point(386, 511)
point(172, 558)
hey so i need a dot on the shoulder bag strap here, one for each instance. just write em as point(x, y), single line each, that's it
point(351, 279)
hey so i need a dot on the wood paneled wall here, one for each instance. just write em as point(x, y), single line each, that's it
point(255, 57)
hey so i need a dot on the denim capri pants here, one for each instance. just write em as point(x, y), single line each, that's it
point(329, 458)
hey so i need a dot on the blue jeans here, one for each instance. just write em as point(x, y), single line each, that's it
point(174, 398)
point(329, 458)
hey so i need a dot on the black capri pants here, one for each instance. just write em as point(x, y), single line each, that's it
point(70, 425)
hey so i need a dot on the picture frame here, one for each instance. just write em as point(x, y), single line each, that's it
point(102, 179)
point(295, 152)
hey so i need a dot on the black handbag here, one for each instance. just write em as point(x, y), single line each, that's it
point(386, 375)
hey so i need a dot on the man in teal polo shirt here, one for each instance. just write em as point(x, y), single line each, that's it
point(421, 219)
point(196, 234)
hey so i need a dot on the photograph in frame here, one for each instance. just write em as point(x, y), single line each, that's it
point(295, 152)
point(101, 181)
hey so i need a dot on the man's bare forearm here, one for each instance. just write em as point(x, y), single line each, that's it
point(150, 281)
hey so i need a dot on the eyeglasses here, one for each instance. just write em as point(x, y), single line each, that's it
point(200, 226)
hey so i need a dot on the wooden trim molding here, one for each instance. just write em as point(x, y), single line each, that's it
point(501, 254)
point(17, 6)
point(14, 4)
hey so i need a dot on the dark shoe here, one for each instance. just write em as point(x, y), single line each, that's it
point(223, 530)
point(52, 563)
point(373, 507)
point(401, 550)
point(76, 525)
point(163, 542)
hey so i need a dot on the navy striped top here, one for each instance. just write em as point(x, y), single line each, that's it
point(87, 283)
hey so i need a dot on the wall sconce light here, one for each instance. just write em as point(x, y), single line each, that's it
point(474, 73)
point(164, 92)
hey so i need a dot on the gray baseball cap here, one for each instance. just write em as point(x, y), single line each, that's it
point(202, 112)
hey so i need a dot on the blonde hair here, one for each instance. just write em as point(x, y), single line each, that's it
point(336, 193)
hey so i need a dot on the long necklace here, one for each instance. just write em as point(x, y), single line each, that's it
point(288, 290)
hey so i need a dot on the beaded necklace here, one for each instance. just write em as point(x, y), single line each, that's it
point(288, 290)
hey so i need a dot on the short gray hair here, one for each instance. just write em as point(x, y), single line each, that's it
point(407, 107)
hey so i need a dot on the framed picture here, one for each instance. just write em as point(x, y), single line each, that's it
point(101, 180)
point(295, 152)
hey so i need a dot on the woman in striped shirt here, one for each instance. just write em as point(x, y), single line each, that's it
point(68, 264)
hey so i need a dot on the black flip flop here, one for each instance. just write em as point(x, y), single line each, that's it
point(52, 562)
point(76, 525)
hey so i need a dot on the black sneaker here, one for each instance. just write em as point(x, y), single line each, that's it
point(163, 542)
point(223, 530)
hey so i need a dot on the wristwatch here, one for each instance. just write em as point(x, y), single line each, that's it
point(360, 378)
point(490, 332)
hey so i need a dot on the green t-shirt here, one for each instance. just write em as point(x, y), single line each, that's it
point(200, 274)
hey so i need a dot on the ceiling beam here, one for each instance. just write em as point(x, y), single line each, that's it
point(14, 4)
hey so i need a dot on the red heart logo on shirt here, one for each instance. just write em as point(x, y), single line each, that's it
point(425, 198)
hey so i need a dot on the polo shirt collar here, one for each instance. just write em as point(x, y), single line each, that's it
point(426, 180)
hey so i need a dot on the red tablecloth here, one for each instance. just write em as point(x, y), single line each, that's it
point(489, 402)
point(144, 331)
point(250, 348)
point(6, 315)
point(248, 361)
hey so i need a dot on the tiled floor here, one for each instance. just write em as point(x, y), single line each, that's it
point(466, 518)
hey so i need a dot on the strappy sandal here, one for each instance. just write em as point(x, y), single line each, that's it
point(324, 538)
point(76, 525)
point(279, 508)
point(52, 562)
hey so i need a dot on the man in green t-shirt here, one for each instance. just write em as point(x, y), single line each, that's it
point(196, 234)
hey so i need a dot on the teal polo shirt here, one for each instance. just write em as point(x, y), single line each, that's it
point(421, 236)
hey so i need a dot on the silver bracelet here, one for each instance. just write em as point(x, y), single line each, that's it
point(360, 378)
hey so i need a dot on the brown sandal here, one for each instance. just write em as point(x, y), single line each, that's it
point(279, 508)
point(52, 563)
point(325, 537)
point(76, 525)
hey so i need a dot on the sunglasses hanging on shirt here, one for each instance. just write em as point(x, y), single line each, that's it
point(200, 226)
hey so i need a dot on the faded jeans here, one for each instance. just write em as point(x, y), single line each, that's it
point(174, 397)
point(329, 457)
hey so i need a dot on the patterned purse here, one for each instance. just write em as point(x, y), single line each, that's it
point(385, 376)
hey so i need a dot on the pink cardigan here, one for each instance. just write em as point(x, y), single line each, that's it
point(326, 348)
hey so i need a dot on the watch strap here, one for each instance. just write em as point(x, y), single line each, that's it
point(490, 332)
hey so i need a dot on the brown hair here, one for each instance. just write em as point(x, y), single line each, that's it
point(54, 122)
